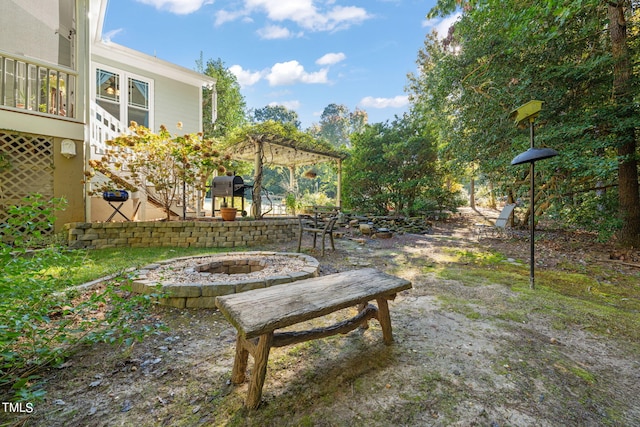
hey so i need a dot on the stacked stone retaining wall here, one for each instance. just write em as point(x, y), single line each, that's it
point(199, 234)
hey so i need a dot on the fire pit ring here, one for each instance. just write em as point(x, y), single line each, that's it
point(196, 281)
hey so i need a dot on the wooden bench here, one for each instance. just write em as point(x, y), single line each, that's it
point(257, 314)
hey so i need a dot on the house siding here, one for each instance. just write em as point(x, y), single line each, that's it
point(173, 100)
point(174, 103)
point(32, 142)
point(177, 96)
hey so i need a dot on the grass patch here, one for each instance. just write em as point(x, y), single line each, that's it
point(88, 265)
point(40, 325)
point(485, 268)
point(460, 305)
point(476, 257)
point(603, 301)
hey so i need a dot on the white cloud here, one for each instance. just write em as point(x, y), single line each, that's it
point(289, 105)
point(271, 32)
point(291, 72)
point(395, 102)
point(222, 17)
point(280, 74)
point(281, 10)
point(343, 17)
point(304, 13)
point(246, 77)
point(108, 36)
point(331, 58)
point(441, 26)
point(179, 7)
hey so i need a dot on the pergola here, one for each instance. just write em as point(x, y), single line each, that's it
point(277, 150)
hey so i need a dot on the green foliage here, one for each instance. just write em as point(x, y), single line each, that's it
point(40, 323)
point(393, 166)
point(28, 224)
point(325, 181)
point(498, 56)
point(277, 113)
point(337, 123)
point(593, 212)
point(4, 162)
point(230, 102)
point(315, 199)
point(291, 203)
point(164, 160)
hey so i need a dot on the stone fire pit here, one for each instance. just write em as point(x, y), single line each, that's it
point(196, 281)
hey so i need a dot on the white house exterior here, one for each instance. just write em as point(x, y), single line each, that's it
point(64, 91)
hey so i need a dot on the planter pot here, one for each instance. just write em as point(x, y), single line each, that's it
point(228, 214)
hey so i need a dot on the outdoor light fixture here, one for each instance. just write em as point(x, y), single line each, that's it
point(529, 112)
point(533, 155)
point(68, 148)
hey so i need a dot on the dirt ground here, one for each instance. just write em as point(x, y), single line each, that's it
point(446, 367)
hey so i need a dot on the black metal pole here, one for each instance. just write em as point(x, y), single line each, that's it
point(532, 216)
point(184, 200)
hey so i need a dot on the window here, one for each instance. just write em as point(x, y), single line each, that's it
point(108, 92)
point(138, 105)
point(126, 106)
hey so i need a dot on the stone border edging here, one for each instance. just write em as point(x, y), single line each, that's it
point(203, 295)
point(198, 234)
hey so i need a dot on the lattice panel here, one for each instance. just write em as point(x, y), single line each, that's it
point(27, 168)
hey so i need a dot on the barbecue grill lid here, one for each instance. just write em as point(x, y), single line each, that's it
point(227, 185)
point(116, 196)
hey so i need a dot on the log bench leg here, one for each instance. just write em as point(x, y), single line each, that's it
point(385, 320)
point(260, 357)
point(240, 361)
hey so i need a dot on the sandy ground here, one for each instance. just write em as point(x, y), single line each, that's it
point(448, 367)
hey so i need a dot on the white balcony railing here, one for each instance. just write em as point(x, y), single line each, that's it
point(36, 87)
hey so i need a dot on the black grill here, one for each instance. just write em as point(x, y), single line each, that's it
point(120, 196)
point(116, 196)
point(228, 186)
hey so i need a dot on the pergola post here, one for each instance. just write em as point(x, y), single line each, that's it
point(256, 207)
point(339, 187)
point(292, 178)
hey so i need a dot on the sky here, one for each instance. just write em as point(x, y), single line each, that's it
point(303, 54)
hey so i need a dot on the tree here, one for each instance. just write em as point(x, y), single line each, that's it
point(357, 120)
point(337, 123)
point(165, 161)
point(394, 166)
point(277, 113)
point(230, 102)
point(625, 132)
point(501, 54)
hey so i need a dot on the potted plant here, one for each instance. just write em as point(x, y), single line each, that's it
point(227, 213)
point(25, 101)
point(291, 203)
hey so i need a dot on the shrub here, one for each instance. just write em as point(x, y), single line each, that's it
point(40, 324)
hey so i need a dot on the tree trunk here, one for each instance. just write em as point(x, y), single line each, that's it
point(256, 206)
point(492, 197)
point(628, 190)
